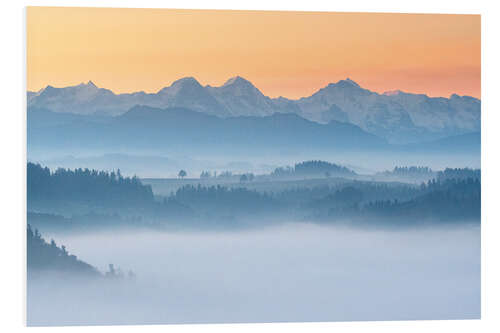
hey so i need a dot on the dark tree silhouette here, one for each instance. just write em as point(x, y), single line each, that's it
point(86, 186)
point(42, 256)
point(313, 168)
point(447, 199)
point(457, 173)
point(220, 199)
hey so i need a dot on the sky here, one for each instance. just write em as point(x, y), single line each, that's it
point(290, 54)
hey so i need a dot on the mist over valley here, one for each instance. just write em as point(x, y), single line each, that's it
point(201, 204)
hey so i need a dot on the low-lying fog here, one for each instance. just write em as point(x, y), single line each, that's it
point(151, 165)
point(287, 273)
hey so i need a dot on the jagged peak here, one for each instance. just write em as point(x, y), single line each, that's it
point(89, 84)
point(237, 80)
point(347, 82)
point(352, 82)
point(49, 89)
point(241, 86)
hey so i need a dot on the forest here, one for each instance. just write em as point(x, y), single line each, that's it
point(452, 199)
point(84, 185)
point(89, 199)
point(314, 168)
point(87, 192)
point(43, 256)
point(445, 200)
point(459, 173)
point(319, 217)
point(412, 173)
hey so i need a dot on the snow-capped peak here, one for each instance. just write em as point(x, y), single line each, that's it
point(185, 82)
point(348, 80)
point(189, 80)
point(238, 81)
point(347, 83)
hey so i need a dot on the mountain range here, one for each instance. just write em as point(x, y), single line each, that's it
point(396, 116)
point(148, 129)
point(185, 133)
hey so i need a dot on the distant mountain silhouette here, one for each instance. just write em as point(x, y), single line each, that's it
point(145, 127)
point(468, 143)
point(396, 116)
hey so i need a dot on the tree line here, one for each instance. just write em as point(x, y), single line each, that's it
point(84, 185)
point(219, 199)
point(453, 194)
point(315, 168)
point(445, 199)
point(459, 173)
point(45, 256)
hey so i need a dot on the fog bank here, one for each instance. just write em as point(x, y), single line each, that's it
point(287, 273)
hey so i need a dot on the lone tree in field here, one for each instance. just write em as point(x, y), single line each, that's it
point(182, 174)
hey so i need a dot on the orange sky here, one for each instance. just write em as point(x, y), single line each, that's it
point(289, 54)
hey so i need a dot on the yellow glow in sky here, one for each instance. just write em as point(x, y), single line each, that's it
point(290, 54)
